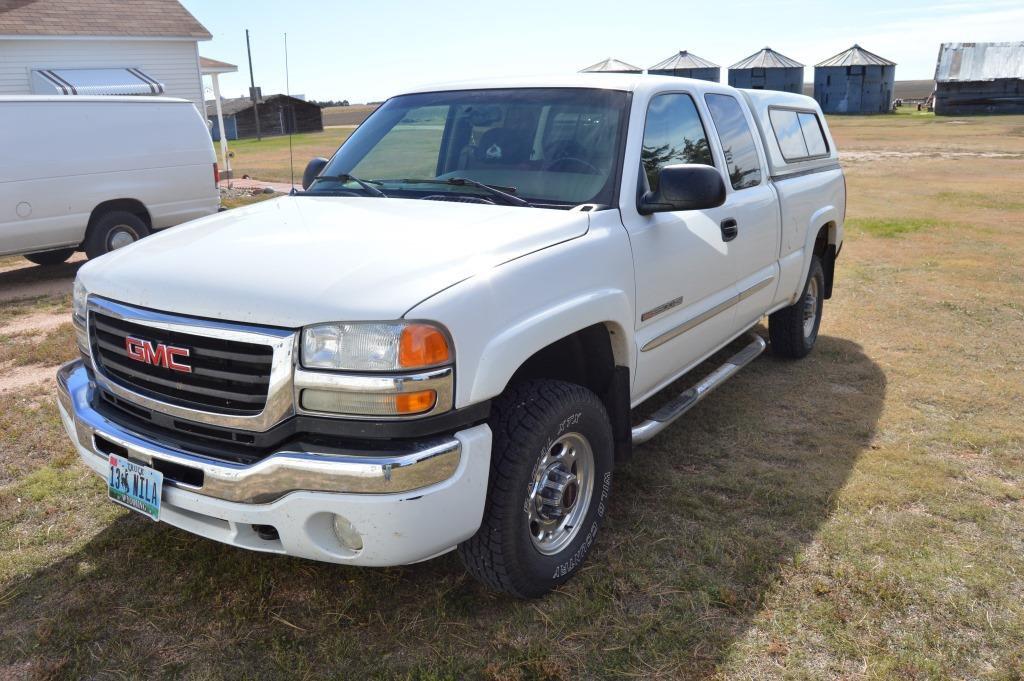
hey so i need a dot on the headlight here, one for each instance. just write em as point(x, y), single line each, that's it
point(79, 298)
point(375, 369)
point(390, 346)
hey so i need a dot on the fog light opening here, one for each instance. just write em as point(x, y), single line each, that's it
point(347, 534)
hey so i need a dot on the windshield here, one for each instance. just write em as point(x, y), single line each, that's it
point(552, 147)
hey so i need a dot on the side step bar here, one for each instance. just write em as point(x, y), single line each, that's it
point(666, 416)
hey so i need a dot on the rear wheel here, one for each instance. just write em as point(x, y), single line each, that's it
point(112, 231)
point(794, 329)
point(551, 470)
point(50, 257)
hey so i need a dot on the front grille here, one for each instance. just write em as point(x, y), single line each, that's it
point(229, 377)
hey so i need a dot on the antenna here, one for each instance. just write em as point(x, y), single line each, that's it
point(254, 93)
point(291, 111)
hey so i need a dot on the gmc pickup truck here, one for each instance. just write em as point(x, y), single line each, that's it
point(440, 342)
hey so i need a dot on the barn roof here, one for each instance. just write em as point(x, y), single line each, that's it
point(683, 60)
point(610, 65)
point(233, 106)
point(856, 56)
point(767, 58)
point(979, 61)
point(144, 18)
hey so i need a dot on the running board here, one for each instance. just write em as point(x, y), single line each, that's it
point(666, 416)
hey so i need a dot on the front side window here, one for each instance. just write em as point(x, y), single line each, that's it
point(673, 134)
point(737, 141)
point(553, 147)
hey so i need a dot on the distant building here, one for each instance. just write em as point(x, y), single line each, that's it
point(768, 70)
point(855, 81)
point(686, 65)
point(279, 115)
point(610, 65)
point(100, 47)
point(979, 78)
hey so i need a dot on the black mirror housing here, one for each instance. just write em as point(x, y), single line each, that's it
point(313, 168)
point(689, 186)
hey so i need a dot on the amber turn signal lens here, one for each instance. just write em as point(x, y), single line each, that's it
point(415, 403)
point(422, 345)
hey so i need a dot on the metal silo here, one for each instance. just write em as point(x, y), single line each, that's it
point(768, 70)
point(610, 65)
point(686, 65)
point(855, 81)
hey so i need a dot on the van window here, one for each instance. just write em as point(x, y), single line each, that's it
point(673, 133)
point(737, 141)
point(799, 134)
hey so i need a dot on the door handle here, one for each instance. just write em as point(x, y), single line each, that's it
point(730, 229)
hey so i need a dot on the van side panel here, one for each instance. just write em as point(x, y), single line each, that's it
point(63, 157)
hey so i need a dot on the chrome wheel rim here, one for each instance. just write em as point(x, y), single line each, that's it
point(121, 238)
point(559, 493)
point(810, 307)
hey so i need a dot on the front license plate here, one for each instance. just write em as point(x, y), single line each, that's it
point(136, 486)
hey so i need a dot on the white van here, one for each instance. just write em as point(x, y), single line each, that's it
point(98, 173)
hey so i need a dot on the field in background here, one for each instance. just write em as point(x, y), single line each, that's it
point(268, 159)
point(857, 514)
point(347, 115)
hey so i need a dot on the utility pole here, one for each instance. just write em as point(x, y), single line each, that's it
point(254, 93)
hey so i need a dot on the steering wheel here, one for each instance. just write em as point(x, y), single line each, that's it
point(587, 167)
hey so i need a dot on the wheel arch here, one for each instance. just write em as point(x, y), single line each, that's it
point(133, 206)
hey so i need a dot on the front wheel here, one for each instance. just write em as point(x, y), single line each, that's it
point(551, 474)
point(794, 329)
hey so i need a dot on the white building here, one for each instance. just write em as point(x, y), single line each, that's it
point(100, 47)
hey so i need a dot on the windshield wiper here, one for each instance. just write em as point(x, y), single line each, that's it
point(503, 193)
point(349, 178)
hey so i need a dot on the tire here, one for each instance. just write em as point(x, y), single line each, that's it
point(793, 330)
point(112, 231)
point(543, 432)
point(51, 257)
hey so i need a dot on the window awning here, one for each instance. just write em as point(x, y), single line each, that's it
point(126, 81)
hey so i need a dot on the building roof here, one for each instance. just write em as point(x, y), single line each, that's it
point(767, 58)
point(856, 56)
point(232, 106)
point(683, 60)
point(610, 65)
point(208, 66)
point(141, 18)
point(979, 61)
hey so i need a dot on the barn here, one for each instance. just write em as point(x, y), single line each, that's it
point(979, 78)
point(686, 65)
point(279, 115)
point(768, 70)
point(855, 81)
point(610, 65)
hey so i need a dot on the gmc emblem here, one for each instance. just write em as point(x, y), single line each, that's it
point(157, 354)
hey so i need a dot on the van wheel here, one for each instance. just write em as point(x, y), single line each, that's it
point(794, 329)
point(112, 231)
point(50, 257)
point(551, 474)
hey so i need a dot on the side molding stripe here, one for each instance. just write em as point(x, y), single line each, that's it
point(706, 315)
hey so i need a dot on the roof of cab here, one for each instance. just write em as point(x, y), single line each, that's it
point(626, 82)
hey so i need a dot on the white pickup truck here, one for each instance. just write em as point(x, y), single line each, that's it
point(440, 342)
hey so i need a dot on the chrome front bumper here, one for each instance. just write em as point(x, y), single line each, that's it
point(271, 478)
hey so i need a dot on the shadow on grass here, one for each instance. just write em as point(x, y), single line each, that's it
point(703, 520)
point(32, 281)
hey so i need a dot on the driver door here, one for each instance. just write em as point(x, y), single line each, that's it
point(685, 284)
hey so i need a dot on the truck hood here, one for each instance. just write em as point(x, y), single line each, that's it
point(295, 261)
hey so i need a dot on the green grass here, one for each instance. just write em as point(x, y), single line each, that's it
point(268, 159)
point(889, 227)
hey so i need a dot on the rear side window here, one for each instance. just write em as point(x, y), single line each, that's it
point(798, 133)
point(673, 133)
point(737, 141)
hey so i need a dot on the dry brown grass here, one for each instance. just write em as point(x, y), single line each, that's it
point(854, 515)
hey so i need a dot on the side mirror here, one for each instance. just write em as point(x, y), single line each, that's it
point(688, 186)
point(313, 169)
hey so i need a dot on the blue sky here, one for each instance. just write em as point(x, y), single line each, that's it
point(365, 51)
